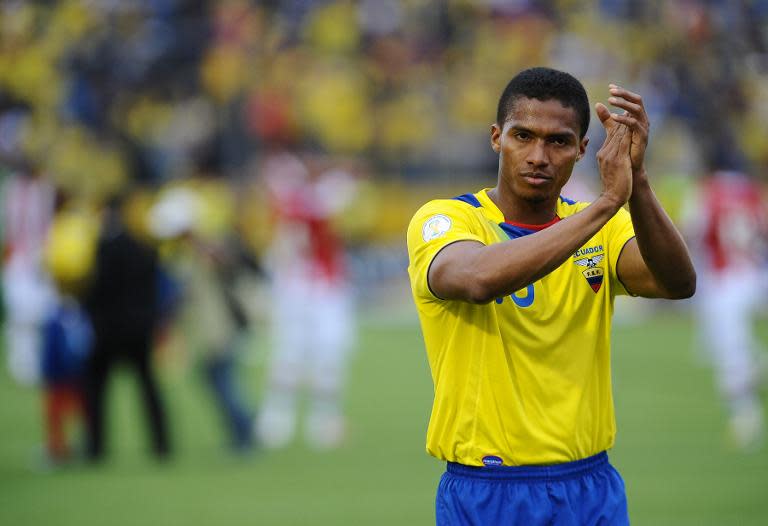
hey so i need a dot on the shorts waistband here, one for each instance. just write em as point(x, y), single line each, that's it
point(551, 472)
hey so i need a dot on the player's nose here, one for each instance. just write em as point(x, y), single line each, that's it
point(537, 154)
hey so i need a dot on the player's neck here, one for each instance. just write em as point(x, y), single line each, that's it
point(523, 211)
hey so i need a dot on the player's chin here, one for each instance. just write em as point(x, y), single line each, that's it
point(537, 196)
point(535, 193)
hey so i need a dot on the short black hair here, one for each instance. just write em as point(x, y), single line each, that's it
point(545, 84)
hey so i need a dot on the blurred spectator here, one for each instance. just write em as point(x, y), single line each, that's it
point(67, 332)
point(122, 301)
point(67, 339)
point(313, 314)
point(214, 318)
point(728, 228)
point(27, 208)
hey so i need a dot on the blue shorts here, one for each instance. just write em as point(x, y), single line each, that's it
point(582, 493)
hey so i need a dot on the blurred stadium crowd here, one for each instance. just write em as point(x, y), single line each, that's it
point(207, 114)
point(100, 92)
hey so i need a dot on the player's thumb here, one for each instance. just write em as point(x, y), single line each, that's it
point(603, 113)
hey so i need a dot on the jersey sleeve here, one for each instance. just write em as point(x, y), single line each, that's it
point(620, 231)
point(436, 225)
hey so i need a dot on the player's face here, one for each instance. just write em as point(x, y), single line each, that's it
point(538, 147)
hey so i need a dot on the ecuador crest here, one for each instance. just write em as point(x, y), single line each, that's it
point(592, 273)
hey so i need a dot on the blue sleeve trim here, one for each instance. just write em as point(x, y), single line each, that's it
point(469, 199)
point(567, 201)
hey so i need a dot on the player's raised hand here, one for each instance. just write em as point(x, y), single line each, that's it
point(614, 157)
point(635, 117)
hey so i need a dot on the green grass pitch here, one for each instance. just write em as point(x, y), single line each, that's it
point(671, 449)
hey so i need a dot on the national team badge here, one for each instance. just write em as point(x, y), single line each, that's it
point(435, 226)
point(593, 273)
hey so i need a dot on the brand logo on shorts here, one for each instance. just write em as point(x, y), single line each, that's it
point(492, 460)
point(435, 226)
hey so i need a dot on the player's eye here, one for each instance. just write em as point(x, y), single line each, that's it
point(523, 136)
point(558, 140)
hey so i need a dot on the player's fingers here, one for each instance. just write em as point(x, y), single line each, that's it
point(635, 109)
point(603, 113)
point(618, 91)
point(626, 138)
point(626, 119)
point(613, 138)
point(615, 149)
point(630, 102)
point(619, 145)
point(611, 126)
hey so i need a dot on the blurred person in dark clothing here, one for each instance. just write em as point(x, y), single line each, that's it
point(122, 301)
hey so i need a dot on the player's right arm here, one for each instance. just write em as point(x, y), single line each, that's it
point(477, 273)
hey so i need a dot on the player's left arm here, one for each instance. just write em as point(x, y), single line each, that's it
point(656, 263)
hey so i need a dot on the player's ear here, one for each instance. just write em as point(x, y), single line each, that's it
point(582, 148)
point(496, 137)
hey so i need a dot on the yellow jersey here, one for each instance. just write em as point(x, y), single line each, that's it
point(525, 379)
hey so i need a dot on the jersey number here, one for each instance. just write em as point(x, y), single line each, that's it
point(525, 301)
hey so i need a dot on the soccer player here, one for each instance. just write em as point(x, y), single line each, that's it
point(514, 287)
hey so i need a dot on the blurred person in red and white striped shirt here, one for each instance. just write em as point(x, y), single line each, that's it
point(28, 295)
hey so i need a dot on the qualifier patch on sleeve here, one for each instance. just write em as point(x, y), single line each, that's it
point(435, 226)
